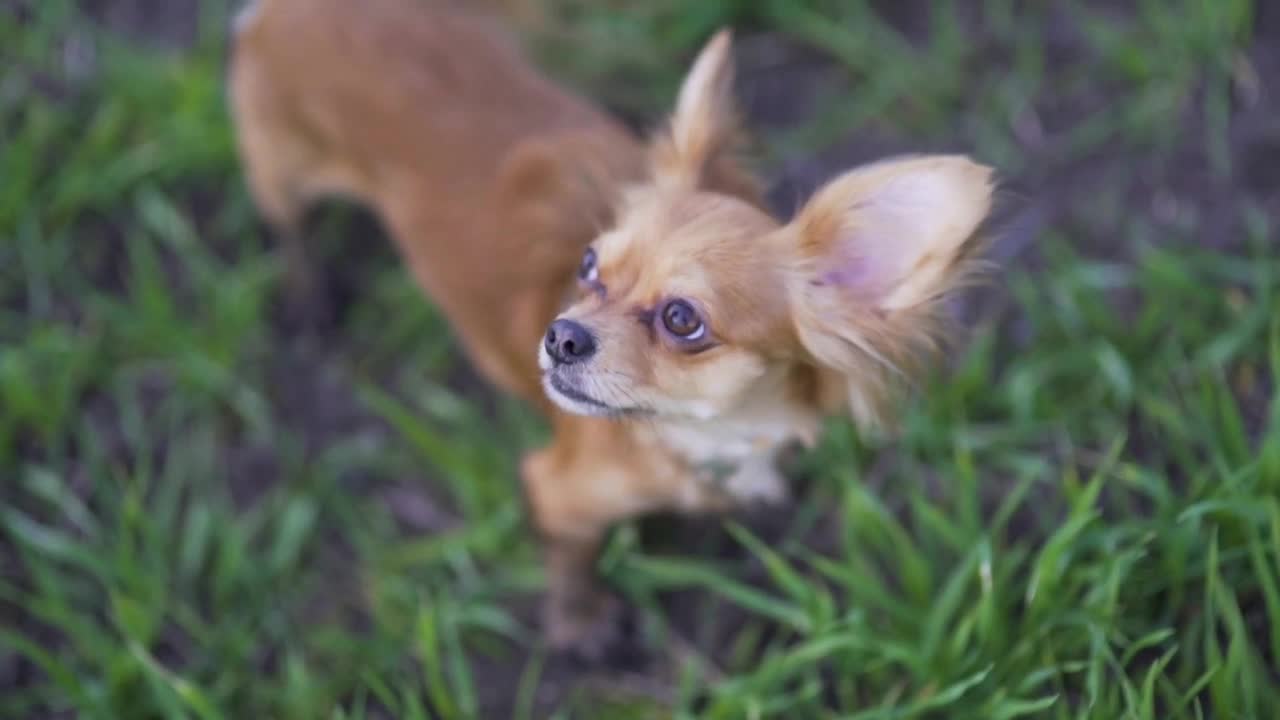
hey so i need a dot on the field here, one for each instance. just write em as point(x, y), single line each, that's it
point(206, 512)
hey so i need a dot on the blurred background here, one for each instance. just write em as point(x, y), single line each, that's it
point(206, 514)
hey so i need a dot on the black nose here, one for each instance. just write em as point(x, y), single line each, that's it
point(568, 342)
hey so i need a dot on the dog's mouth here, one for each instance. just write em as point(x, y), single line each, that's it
point(567, 389)
point(569, 396)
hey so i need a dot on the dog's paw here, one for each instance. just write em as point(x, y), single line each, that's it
point(601, 632)
point(306, 305)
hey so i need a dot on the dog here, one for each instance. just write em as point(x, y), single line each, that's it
point(639, 294)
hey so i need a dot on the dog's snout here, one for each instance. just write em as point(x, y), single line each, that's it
point(569, 342)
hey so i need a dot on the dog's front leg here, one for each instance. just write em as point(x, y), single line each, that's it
point(580, 615)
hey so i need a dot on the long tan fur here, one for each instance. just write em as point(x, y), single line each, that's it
point(701, 335)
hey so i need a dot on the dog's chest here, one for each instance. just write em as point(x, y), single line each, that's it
point(736, 456)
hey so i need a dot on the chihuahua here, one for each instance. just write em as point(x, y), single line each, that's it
point(675, 334)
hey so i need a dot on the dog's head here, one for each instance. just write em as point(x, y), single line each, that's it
point(697, 297)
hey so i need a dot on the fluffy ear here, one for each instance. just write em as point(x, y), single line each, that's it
point(876, 250)
point(698, 150)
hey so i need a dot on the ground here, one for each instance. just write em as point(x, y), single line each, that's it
point(207, 513)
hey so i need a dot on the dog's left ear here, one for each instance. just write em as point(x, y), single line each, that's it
point(699, 149)
point(874, 253)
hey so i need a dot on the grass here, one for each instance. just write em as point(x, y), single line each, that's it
point(205, 517)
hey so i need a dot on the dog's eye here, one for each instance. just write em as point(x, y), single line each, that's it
point(587, 271)
point(682, 320)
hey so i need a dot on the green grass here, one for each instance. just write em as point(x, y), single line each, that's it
point(1079, 520)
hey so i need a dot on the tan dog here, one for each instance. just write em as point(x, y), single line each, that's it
point(704, 335)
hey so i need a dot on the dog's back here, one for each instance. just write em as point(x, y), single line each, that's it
point(427, 113)
point(347, 97)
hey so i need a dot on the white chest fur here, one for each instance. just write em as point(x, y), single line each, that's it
point(737, 452)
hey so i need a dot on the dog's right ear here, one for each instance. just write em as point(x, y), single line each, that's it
point(699, 149)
